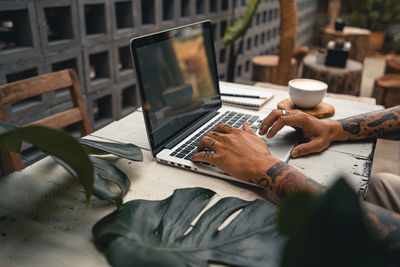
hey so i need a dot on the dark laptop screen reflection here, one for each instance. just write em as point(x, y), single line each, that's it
point(178, 81)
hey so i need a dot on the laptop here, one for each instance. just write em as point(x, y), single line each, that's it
point(180, 92)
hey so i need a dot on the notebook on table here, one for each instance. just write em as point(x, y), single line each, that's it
point(243, 96)
point(178, 83)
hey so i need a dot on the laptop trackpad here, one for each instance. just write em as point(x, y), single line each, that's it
point(281, 145)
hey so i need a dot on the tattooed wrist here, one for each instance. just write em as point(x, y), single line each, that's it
point(281, 179)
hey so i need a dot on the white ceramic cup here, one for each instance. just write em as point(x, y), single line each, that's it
point(307, 93)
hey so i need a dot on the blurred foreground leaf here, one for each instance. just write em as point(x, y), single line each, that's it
point(93, 173)
point(328, 230)
point(54, 142)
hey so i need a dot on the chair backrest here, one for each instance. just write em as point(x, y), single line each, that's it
point(23, 89)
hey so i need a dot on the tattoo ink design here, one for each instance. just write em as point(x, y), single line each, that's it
point(277, 170)
point(380, 124)
point(381, 120)
point(314, 186)
point(212, 141)
point(288, 184)
point(385, 226)
point(215, 134)
point(379, 230)
point(352, 125)
point(264, 182)
point(209, 154)
point(281, 179)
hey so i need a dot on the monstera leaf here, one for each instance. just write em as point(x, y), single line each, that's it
point(159, 233)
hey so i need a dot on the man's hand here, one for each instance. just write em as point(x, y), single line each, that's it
point(319, 133)
point(240, 153)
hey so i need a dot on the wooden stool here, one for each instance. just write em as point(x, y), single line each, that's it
point(392, 64)
point(359, 39)
point(342, 81)
point(300, 52)
point(387, 90)
point(264, 68)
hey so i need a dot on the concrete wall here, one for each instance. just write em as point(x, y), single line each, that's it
point(92, 37)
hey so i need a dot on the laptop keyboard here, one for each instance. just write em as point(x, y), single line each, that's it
point(232, 118)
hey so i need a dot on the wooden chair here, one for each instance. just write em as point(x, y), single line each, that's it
point(23, 89)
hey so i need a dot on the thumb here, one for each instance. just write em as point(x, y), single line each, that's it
point(306, 149)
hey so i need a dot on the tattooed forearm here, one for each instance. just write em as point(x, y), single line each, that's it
point(379, 124)
point(277, 170)
point(352, 125)
point(384, 118)
point(281, 179)
point(385, 226)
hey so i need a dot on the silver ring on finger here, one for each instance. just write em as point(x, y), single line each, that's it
point(283, 112)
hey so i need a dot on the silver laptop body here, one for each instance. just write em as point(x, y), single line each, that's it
point(178, 83)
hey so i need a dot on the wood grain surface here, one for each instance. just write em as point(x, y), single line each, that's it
point(321, 111)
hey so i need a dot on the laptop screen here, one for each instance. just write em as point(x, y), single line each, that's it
point(177, 77)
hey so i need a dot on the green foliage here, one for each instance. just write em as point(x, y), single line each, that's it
point(127, 151)
point(95, 174)
point(54, 142)
point(328, 230)
point(375, 15)
point(240, 27)
point(155, 233)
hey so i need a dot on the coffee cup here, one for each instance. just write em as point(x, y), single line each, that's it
point(179, 96)
point(307, 93)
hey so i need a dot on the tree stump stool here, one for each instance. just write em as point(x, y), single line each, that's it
point(299, 52)
point(392, 64)
point(264, 68)
point(341, 81)
point(387, 90)
point(359, 39)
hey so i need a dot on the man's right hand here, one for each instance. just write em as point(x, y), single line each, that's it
point(319, 133)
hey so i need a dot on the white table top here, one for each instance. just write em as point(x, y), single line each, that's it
point(44, 220)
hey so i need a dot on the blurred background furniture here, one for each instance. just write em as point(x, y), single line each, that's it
point(342, 81)
point(27, 88)
point(265, 67)
point(387, 90)
point(358, 37)
point(392, 64)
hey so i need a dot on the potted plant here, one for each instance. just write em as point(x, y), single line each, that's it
point(375, 15)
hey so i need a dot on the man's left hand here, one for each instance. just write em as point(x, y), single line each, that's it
point(240, 153)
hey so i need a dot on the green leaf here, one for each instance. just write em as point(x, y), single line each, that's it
point(128, 151)
point(240, 27)
point(154, 233)
point(54, 142)
point(104, 172)
point(300, 207)
point(9, 143)
point(332, 232)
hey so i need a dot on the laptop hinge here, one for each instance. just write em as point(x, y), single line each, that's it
point(191, 129)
